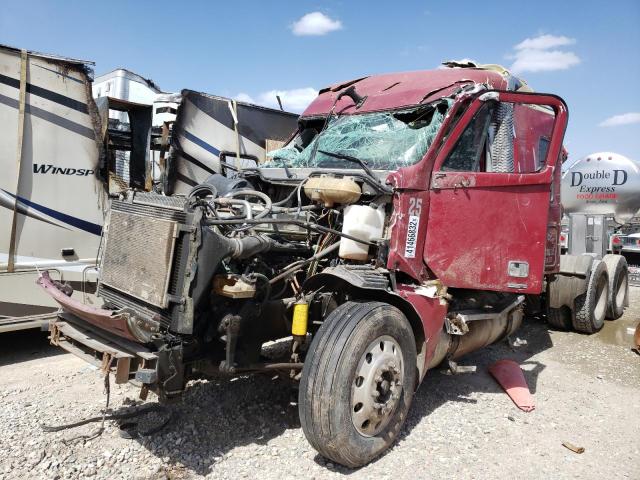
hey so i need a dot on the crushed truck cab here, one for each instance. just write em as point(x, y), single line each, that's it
point(408, 221)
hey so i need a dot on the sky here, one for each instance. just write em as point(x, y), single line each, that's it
point(587, 52)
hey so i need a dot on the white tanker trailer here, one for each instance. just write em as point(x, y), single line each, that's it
point(601, 198)
point(602, 184)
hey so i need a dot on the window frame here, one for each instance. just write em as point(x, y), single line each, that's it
point(554, 102)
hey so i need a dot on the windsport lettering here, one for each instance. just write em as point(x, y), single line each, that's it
point(43, 169)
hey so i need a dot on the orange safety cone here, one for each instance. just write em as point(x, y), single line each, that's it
point(510, 377)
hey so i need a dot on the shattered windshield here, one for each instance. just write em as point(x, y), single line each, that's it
point(385, 140)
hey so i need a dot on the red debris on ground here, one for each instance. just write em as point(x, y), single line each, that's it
point(510, 377)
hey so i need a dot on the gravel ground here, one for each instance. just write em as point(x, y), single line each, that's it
point(586, 390)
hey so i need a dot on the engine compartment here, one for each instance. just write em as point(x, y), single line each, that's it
point(216, 274)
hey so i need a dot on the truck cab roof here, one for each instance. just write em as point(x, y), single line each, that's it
point(407, 89)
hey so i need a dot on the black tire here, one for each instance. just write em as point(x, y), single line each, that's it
point(618, 272)
point(591, 306)
point(560, 318)
point(330, 379)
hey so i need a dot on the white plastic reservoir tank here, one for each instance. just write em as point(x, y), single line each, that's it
point(364, 222)
point(602, 183)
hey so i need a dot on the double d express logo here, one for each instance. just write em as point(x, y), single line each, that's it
point(598, 184)
point(53, 170)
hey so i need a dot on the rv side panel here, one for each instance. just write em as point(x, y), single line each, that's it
point(57, 196)
point(205, 127)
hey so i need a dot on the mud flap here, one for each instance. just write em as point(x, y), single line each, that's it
point(571, 281)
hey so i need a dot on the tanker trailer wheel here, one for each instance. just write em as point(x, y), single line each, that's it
point(618, 272)
point(591, 306)
point(357, 382)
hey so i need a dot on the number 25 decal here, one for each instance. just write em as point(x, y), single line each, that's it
point(415, 206)
point(411, 242)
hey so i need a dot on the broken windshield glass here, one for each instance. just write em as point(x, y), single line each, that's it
point(385, 140)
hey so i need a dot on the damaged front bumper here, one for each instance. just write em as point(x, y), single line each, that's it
point(121, 322)
point(101, 337)
point(112, 341)
point(126, 360)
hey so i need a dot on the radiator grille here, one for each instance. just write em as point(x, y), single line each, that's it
point(138, 255)
point(153, 199)
point(149, 211)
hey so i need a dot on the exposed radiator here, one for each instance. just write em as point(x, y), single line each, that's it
point(138, 256)
point(143, 263)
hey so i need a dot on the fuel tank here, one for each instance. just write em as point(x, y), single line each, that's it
point(602, 183)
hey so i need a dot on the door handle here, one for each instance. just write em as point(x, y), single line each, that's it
point(464, 183)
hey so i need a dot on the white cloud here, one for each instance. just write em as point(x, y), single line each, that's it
point(544, 42)
point(536, 54)
point(315, 23)
point(543, 61)
point(294, 100)
point(245, 97)
point(623, 119)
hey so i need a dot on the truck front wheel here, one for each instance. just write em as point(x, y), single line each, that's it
point(357, 382)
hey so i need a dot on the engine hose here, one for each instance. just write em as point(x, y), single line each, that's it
point(203, 190)
point(248, 212)
point(317, 256)
point(253, 193)
point(267, 285)
point(280, 221)
point(304, 208)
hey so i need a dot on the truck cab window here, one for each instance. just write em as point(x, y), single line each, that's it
point(386, 140)
point(543, 148)
point(469, 153)
point(503, 138)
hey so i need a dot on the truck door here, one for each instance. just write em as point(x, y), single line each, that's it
point(490, 192)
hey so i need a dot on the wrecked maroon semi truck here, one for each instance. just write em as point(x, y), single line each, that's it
point(409, 221)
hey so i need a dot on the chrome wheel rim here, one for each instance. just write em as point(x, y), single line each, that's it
point(377, 386)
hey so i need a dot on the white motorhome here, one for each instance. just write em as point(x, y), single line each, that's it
point(60, 153)
point(51, 200)
point(126, 85)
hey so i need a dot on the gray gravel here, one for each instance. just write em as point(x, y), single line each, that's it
point(463, 426)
